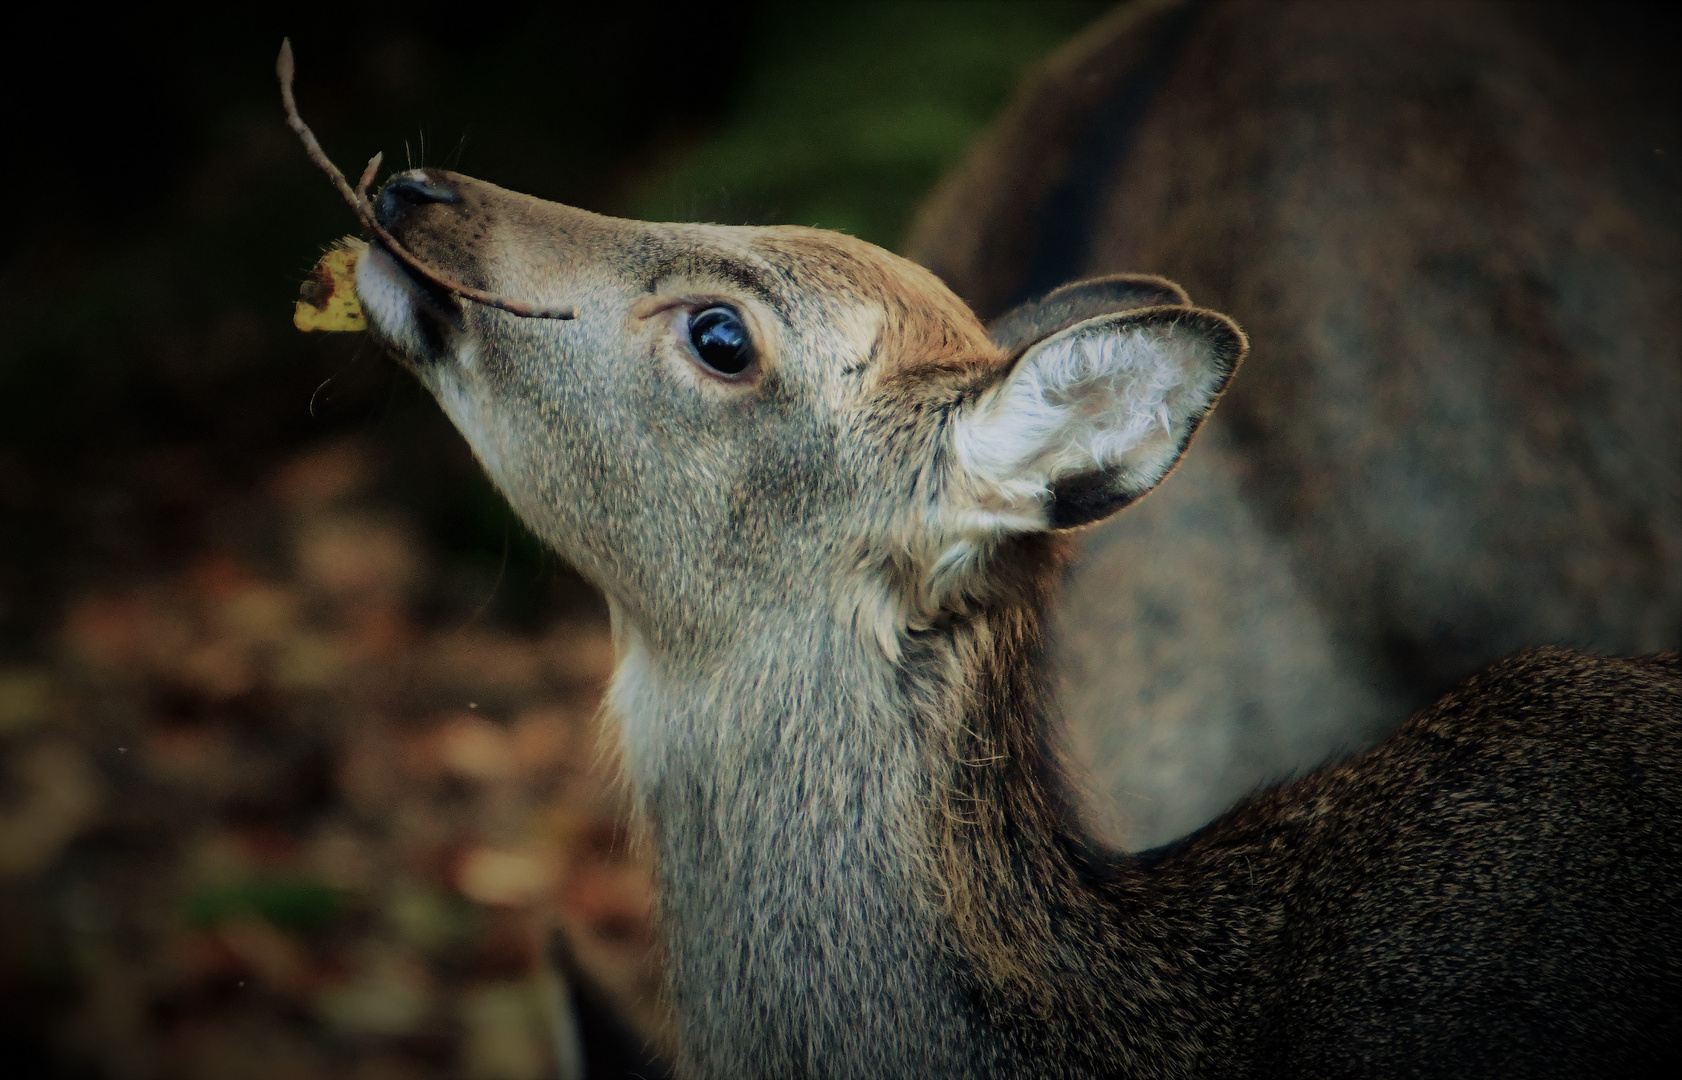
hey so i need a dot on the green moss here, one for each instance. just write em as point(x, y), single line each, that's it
point(295, 904)
point(851, 112)
point(433, 922)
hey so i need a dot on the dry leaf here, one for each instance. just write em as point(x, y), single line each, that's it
point(327, 300)
point(477, 749)
point(25, 695)
point(503, 878)
point(53, 793)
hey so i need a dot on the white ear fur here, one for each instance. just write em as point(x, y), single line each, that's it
point(1088, 420)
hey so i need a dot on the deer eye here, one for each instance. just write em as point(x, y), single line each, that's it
point(720, 340)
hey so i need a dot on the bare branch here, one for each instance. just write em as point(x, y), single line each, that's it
point(358, 199)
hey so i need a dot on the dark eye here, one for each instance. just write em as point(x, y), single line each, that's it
point(721, 341)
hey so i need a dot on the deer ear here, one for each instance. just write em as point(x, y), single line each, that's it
point(1063, 307)
point(1090, 418)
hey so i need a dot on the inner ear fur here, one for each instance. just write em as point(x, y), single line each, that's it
point(1063, 307)
point(1082, 497)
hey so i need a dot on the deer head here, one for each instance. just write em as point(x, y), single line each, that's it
point(749, 420)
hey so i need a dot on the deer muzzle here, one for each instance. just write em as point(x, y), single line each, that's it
point(417, 318)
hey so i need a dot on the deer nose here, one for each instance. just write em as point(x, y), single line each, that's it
point(405, 191)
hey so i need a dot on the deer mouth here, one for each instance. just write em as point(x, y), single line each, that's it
point(413, 318)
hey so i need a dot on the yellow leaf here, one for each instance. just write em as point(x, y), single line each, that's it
point(327, 300)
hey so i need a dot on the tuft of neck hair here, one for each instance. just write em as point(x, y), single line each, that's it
point(829, 515)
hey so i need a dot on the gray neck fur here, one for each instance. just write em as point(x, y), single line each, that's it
point(788, 793)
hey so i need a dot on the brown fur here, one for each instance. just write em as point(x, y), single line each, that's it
point(1281, 939)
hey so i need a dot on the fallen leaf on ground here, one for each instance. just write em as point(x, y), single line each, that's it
point(504, 878)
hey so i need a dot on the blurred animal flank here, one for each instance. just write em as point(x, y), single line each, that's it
point(1451, 230)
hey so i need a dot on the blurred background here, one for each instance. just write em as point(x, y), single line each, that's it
point(297, 749)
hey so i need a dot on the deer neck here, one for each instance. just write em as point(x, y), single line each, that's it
point(859, 853)
point(788, 796)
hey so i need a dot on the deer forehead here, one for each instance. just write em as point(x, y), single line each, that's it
point(865, 310)
point(842, 312)
point(902, 315)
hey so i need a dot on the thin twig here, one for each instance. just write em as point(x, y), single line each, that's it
point(358, 199)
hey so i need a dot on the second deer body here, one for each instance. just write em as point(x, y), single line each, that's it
point(827, 513)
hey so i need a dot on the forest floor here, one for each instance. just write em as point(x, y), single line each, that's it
point(264, 815)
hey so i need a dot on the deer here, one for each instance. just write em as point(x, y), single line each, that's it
point(829, 514)
point(1451, 229)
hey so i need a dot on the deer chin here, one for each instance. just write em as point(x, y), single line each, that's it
point(419, 323)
